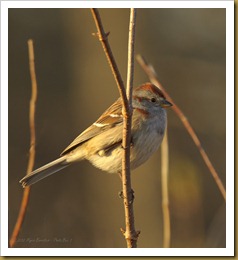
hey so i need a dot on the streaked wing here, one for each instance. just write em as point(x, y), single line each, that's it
point(110, 118)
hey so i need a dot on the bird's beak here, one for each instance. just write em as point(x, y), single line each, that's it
point(166, 103)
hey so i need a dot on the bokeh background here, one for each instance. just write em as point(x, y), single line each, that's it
point(79, 206)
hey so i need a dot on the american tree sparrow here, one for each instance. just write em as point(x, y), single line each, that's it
point(101, 143)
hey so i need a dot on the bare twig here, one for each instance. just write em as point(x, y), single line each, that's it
point(130, 233)
point(103, 38)
point(165, 193)
point(153, 77)
point(31, 160)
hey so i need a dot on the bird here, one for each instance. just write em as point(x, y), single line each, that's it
point(101, 143)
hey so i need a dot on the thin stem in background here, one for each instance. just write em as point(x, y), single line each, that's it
point(149, 70)
point(164, 188)
point(26, 192)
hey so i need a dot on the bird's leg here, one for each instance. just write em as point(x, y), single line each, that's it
point(119, 173)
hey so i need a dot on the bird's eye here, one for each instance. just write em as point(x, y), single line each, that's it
point(153, 100)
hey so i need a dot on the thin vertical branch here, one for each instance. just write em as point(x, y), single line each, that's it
point(103, 38)
point(130, 234)
point(26, 192)
point(149, 70)
point(165, 193)
point(131, 51)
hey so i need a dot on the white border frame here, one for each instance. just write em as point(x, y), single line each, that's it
point(229, 250)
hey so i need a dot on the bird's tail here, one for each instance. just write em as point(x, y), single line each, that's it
point(44, 171)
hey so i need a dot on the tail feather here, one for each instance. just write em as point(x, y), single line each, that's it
point(44, 171)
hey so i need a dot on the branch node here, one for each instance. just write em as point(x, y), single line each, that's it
point(130, 236)
point(123, 231)
point(101, 37)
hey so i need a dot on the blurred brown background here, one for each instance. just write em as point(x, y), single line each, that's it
point(79, 206)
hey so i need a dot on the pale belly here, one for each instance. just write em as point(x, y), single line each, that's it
point(141, 150)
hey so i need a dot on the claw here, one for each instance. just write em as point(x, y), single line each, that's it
point(132, 196)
